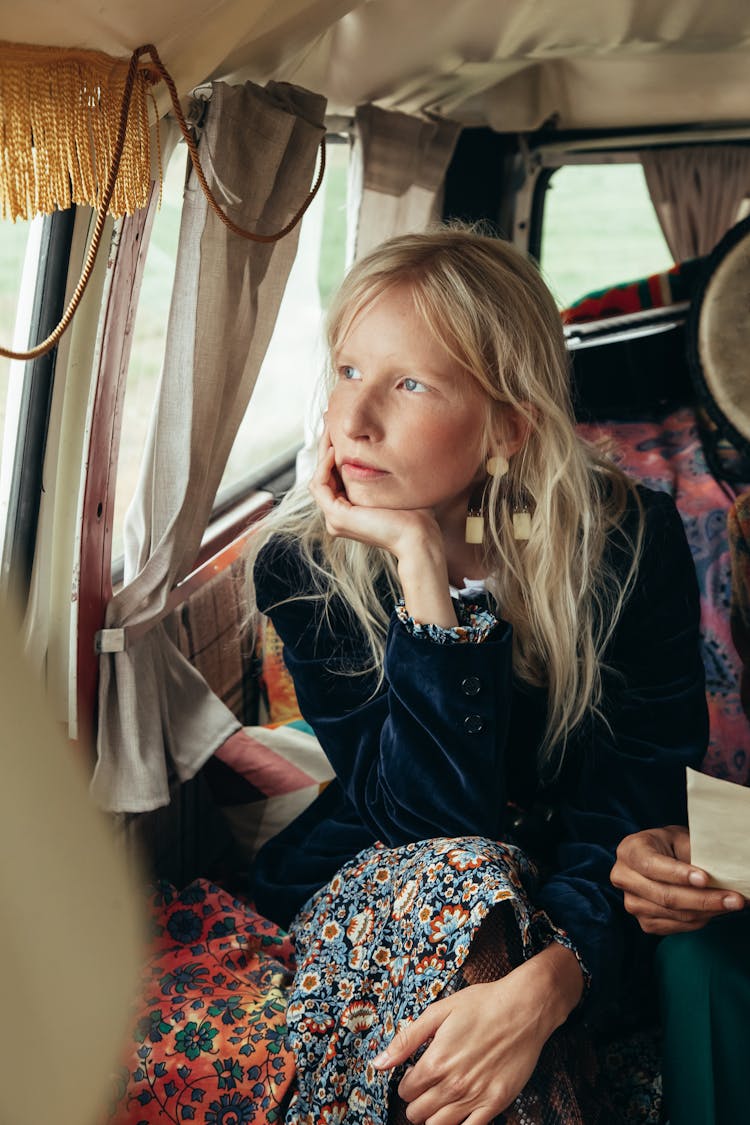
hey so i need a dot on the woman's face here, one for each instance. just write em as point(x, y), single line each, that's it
point(405, 420)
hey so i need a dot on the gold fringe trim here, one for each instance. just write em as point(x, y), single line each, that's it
point(59, 116)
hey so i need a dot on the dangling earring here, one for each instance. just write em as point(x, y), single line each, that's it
point(522, 523)
point(497, 466)
point(475, 530)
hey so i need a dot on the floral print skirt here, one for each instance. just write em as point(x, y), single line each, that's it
point(383, 940)
point(225, 1032)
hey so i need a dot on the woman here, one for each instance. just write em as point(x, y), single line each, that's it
point(493, 633)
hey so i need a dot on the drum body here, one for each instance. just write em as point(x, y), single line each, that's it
point(718, 353)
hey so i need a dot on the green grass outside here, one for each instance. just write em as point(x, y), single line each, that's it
point(333, 243)
point(13, 238)
point(600, 228)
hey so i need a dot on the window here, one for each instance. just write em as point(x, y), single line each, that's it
point(14, 239)
point(149, 339)
point(18, 266)
point(599, 229)
point(274, 422)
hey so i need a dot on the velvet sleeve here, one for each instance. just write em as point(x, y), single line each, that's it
point(633, 758)
point(422, 755)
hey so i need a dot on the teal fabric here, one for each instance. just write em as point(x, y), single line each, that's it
point(704, 979)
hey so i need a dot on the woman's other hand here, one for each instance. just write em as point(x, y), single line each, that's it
point(663, 890)
point(485, 1041)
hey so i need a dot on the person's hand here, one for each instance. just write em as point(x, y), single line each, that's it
point(485, 1043)
point(399, 531)
point(411, 535)
point(663, 890)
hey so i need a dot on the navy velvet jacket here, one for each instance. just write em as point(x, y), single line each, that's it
point(448, 746)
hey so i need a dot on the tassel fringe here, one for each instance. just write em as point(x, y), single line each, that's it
point(59, 117)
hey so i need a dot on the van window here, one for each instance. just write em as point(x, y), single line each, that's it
point(274, 422)
point(13, 238)
point(599, 228)
point(149, 339)
point(17, 285)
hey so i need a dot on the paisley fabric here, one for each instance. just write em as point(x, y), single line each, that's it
point(667, 454)
point(738, 524)
point(474, 625)
point(376, 946)
point(208, 1034)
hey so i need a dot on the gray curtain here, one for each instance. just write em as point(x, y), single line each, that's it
point(258, 148)
point(697, 193)
point(398, 168)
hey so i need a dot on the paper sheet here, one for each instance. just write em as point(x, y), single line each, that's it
point(719, 821)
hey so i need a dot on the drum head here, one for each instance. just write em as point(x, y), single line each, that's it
point(718, 337)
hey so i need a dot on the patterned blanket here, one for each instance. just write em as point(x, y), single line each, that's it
point(655, 292)
point(668, 455)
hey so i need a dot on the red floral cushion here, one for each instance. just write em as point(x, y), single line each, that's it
point(207, 1040)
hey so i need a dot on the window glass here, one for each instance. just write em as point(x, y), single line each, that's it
point(13, 240)
point(599, 229)
point(149, 339)
point(333, 244)
point(275, 419)
point(19, 259)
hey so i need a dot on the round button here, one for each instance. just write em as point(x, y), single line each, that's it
point(473, 724)
point(471, 685)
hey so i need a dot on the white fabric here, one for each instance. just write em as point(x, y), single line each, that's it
point(258, 148)
point(509, 65)
point(472, 588)
point(400, 162)
point(697, 193)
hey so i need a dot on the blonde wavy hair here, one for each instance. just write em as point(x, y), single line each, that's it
point(489, 307)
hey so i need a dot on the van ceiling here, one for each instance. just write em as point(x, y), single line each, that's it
point(510, 64)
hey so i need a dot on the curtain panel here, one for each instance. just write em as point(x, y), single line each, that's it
point(398, 168)
point(258, 147)
point(396, 174)
point(697, 193)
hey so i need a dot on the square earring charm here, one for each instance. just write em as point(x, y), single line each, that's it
point(521, 525)
point(474, 528)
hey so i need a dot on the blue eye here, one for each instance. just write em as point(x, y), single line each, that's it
point(413, 385)
point(349, 372)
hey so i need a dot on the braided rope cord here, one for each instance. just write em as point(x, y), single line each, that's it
point(149, 49)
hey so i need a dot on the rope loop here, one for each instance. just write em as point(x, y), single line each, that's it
point(160, 72)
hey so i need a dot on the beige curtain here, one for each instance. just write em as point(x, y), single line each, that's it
point(258, 148)
point(397, 172)
point(697, 193)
